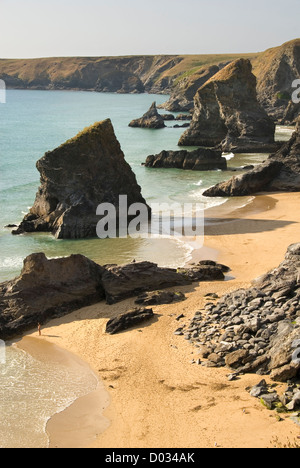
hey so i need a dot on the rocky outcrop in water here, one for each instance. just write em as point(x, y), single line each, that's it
point(228, 114)
point(84, 172)
point(151, 119)
point(202, 159)
point(254, 330)
point(47, 289)
point(280, 172)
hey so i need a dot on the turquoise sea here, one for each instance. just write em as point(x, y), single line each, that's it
point(31, 123)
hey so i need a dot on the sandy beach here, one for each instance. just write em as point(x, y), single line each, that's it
point(158, 399)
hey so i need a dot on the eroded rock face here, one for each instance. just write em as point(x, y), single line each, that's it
point(202, 159)
point(47, 289)
point(182, 96)
point(227, 113)
point(152, 119)
point(276, 70)
point(84, 172)
point(280, 172)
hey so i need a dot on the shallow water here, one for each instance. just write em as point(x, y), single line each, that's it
point(31, 391)
point(33, 122)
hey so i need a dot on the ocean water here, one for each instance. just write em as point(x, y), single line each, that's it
point(31, 391)
point(31, 123)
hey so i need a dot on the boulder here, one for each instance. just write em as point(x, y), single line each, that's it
point(182, 96)
point(128, 320)
point(84, 172)
point(152, 119)
point(279, 173)
point(160, 297)
point(227, 113)
point(202, 159)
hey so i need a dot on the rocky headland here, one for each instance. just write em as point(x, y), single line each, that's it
point(178, 75)
point(254, 330)
point(279, 173)
point(48, 289)
point(84, 172)
point(201, 159)
point(151, 119)
point(228, 114)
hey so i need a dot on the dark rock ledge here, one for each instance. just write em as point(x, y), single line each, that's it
point(47, 289)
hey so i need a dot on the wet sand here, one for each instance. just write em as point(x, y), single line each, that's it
point(158, 398)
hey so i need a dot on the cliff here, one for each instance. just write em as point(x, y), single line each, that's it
point(276, 69)
point(227, 113)
point(75, 178)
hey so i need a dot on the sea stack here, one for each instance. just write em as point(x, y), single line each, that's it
point(152, 119)
point(279, 173)
point(84, 172)
point(228, 114)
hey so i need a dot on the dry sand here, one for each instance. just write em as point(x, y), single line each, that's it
point(158, 398)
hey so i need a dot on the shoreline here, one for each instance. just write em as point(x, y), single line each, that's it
point(157, 398)
point(61, 428)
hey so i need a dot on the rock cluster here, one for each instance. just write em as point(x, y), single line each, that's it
point(280, 172)
point(201, 159)
point(152, 119)
point(227, 113)
point(287, 402)
point(47, 289)
point(255, 330)
point(84, 172)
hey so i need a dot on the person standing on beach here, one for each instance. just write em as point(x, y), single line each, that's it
point(39, 329)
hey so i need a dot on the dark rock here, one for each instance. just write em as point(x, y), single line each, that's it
point(228, 114)
point(128, 320)
point(121, 282)
point(281, 172)
point(252, 330)
point(47, 289)
point(202, 159)
point(84, 172)
point(160, 297)
point(152, 119)
point(237, 359)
